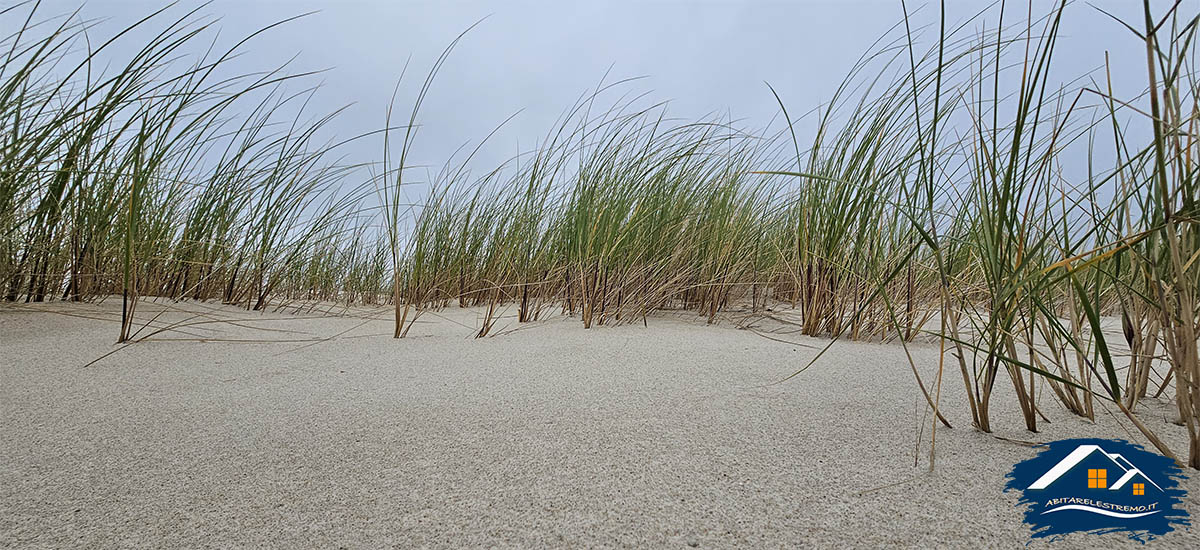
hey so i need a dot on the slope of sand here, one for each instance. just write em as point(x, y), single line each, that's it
point(270, 432)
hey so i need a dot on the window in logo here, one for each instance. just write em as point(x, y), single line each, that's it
point(1139, 488)
point(1097, 479)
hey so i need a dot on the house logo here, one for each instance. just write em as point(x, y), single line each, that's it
point(1099, 486)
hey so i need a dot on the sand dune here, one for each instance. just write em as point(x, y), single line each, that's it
point(288, 429)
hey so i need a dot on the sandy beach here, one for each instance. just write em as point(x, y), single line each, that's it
point(246, 429)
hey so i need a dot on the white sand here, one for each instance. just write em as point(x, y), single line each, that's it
point(550, 435)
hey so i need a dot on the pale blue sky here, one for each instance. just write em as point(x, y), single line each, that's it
point(704, 57)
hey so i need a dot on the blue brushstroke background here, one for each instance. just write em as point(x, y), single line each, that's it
point(1156, 467)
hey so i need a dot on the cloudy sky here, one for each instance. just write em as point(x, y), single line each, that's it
point(537, 57)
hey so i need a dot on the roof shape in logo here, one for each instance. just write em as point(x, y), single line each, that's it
point(1129, 471)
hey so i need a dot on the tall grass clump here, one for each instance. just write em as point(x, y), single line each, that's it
point(1167, 258)
point(143, 180)
point(966, 152)
point(615, 216)
point(1042, 258)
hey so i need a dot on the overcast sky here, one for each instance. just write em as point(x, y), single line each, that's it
point(704, 57)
